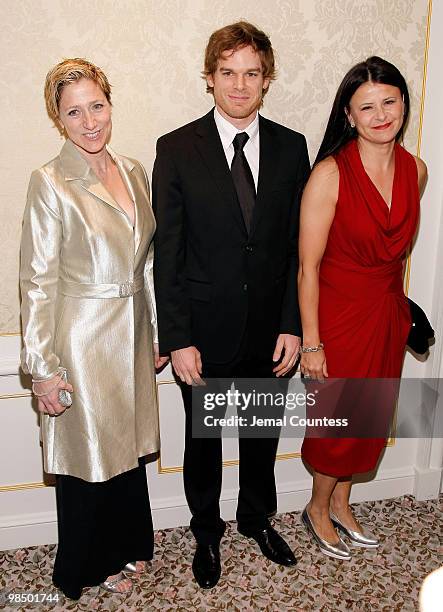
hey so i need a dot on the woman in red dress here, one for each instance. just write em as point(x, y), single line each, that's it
point(359, 214)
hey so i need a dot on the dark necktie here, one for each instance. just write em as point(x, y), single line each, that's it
point(243, 179)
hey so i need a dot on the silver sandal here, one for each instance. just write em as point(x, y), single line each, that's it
point(111, 585)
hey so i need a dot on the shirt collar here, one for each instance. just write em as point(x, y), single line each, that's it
point(227, 131)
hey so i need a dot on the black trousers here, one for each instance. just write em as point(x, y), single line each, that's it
point(101, 527)
point(202, 465)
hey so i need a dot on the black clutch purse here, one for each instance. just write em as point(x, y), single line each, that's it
point(421, 330)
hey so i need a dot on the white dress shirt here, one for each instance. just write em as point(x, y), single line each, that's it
point(227, 133)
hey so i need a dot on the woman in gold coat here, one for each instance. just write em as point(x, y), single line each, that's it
point(88, 315)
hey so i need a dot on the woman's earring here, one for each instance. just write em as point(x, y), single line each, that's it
point(352, 124)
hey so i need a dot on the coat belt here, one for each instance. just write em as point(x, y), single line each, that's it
point(101, 290)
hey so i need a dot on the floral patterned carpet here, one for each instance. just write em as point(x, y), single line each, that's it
point(386, 580)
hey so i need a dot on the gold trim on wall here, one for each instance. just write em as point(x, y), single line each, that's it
point(15, 395)
point(23, 486)
point(175, 469)
point(160, 468)
point(420, 122)
point(10, 333)
point(281, 457)
point(228, 463)
point(423, 82)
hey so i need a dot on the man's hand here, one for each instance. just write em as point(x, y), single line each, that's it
point(187, 364)
point(159, 362)
point(290, 345)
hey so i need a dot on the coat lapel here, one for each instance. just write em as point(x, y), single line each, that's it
point(140, 204)
point(211, 150)
point(126, 167)
point(268, 165)
point(138, 198)
point(75, 167)
point(95, 187)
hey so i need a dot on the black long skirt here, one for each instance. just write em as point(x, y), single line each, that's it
point(102, 526)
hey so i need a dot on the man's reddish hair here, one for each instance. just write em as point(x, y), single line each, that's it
point(236, 36)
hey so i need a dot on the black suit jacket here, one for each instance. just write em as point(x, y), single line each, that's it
point(211, 278)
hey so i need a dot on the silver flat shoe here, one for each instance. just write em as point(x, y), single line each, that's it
point(111, 585)
point(363, 540)
point(339, 550)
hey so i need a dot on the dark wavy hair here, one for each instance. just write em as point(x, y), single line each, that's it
point(338, 131)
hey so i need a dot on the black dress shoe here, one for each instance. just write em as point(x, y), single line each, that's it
point(206, 565)
point(272, 546)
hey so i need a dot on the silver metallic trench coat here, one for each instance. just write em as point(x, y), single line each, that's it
point(88, 305)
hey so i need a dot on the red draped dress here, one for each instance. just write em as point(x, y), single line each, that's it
point(364, 318)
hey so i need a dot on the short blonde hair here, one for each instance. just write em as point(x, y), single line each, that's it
point(69, 71)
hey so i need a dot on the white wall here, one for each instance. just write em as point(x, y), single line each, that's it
point(427, 259)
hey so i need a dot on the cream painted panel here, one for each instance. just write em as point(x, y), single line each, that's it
point(166, 374)
point(9, 355)
point(20, 454)
point(289, 445)
point(230, 449)
point(172, 427)
point(38, 501)
point(172, 424)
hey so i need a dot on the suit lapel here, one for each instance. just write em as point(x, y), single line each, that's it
point(268, 165)
point(209, 146)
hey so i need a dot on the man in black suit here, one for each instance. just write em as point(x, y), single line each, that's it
point(226, 191)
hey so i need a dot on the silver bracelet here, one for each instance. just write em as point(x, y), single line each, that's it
point(58, 375)
point(312, 349)
point(47, 392)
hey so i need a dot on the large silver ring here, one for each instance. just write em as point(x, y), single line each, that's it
point(64, 398)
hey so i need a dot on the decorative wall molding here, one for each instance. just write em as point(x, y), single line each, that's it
point(8, 366)
point(32, 529)
point(22, 487)
point(424, 77)
point(7, 396)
